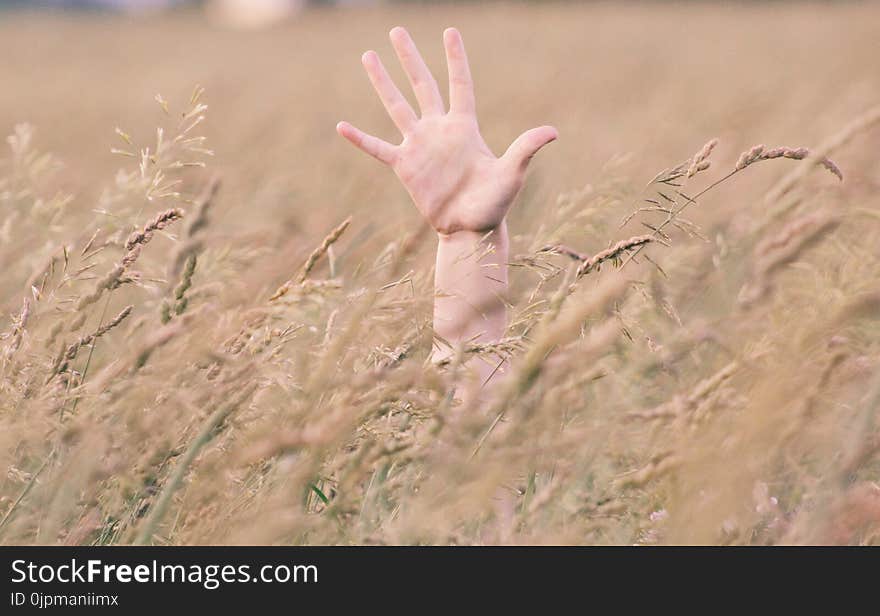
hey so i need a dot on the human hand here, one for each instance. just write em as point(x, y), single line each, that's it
point(453, 177)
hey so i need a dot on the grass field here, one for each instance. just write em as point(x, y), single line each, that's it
point(720, 386)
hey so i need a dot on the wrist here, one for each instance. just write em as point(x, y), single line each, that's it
point(496, 237)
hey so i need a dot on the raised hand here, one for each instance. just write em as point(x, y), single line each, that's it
point(462, 189)
point(453, 177)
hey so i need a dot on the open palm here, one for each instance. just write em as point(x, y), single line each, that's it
point(453, 177)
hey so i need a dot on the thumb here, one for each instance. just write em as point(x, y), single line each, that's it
point(525, 146)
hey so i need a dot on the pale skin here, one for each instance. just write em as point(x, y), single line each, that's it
point(460, 187)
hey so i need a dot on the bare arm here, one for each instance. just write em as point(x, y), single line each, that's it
point(470, 284)
point(461, 188)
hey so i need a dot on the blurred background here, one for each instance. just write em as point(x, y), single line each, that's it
point(236, 13)
point(639, 84)
point(773, 437)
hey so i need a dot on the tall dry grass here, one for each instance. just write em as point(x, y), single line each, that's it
point(203, 348)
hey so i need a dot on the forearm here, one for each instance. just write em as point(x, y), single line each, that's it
point(470, 285)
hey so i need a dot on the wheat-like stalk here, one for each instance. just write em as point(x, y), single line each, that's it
point(72, 350)
point(316, 254)
point(179, 302)
point(833, 143)
point(759, 153)
point(700, 161)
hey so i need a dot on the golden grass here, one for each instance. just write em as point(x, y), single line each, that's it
point(714, 382)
